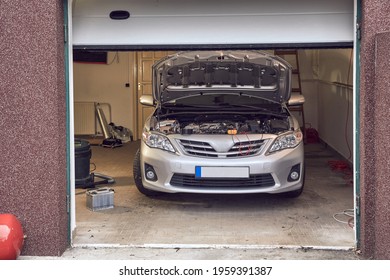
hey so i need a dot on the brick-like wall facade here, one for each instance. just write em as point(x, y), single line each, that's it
point(375, 135)
point(33, 122)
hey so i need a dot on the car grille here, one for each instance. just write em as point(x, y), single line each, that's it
point(198, 148)
point(247, 148)
point(204, 149)
point(254, 181)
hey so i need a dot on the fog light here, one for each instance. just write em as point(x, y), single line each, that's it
point(150, 174)
point(295, 173)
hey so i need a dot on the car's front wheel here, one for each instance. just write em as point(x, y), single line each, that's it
point(293, 194)
point(138, 176)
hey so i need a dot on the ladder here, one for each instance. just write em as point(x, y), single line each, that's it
point(291, 56)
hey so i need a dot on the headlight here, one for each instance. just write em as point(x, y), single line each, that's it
point(155, 140)
point(286, 141)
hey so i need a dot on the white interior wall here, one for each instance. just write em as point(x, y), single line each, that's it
point(106, 83)
point(335, 99)
point(308, 86)
point(326, 81)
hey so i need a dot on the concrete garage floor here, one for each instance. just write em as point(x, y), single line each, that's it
point(217, 221)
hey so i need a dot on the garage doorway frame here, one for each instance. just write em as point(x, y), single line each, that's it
point(70, 95)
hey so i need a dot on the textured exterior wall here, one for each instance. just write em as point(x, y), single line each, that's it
point(33, 122)
point(375, 136)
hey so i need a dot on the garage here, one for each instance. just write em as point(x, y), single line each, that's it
point(321, 36)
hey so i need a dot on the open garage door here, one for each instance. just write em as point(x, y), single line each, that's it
point(153, 24)
point(137, 33)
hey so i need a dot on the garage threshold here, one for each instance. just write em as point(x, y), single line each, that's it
point(204, 252)
point(215, 246)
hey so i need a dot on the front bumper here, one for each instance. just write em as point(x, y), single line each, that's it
point(273, 171)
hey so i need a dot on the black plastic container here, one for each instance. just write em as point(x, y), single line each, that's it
point(82, 162)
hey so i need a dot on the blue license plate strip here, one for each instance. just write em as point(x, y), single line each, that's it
point(221, 172)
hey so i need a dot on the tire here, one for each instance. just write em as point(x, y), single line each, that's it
point(293, 194)
point(138, 177)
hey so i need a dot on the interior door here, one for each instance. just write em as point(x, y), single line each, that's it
point(145, 60)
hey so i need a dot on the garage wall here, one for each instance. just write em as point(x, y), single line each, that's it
point(374, 125)
point(335, 100)
point(106, 83)
point(33, 122)
point(328, 92)
point(308, 64)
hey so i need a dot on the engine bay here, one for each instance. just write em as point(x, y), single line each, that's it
point(222, 124)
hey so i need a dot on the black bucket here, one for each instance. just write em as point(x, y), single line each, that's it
point(82, 162)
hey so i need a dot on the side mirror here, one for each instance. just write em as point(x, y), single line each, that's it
point(296, 99)
point(146, 100)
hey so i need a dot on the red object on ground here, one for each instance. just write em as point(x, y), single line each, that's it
point(11, 237)
point(312, 135)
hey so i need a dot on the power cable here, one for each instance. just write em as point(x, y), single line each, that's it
point(349, 214)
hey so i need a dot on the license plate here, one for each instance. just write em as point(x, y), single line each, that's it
point(221, 172)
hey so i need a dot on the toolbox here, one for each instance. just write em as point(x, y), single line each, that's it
point(100, 199)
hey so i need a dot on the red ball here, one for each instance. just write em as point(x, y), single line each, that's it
point(11, 237)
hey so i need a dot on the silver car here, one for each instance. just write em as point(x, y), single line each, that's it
point(221, 125)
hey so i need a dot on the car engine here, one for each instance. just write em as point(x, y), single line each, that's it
point(208, 125)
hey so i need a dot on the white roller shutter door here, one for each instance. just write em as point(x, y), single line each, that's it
point(207, 22)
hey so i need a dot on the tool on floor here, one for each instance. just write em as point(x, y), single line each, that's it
point(110, 140)
point(104, 180)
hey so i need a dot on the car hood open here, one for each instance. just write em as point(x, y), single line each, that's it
point(251, 73)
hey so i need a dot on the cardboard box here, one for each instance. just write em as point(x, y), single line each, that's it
point(100, 199)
